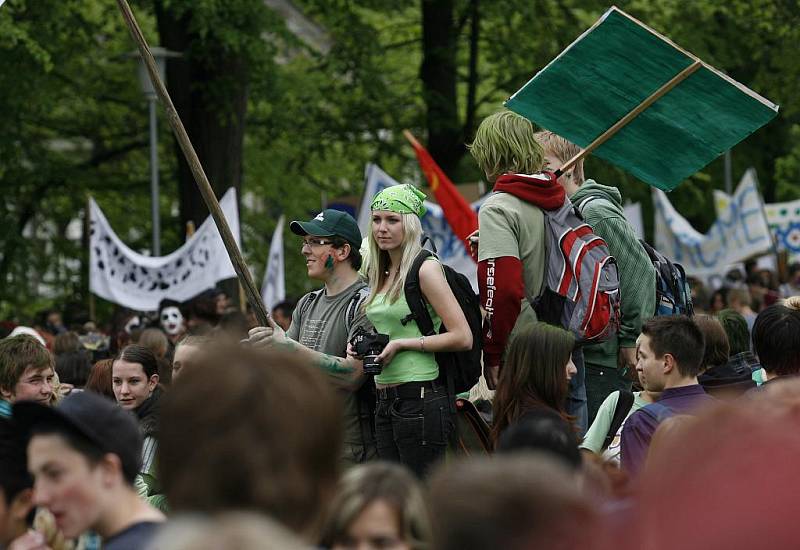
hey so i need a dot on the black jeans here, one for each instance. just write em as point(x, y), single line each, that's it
point(413, 425)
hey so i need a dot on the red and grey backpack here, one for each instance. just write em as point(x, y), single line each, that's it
point(581, 287)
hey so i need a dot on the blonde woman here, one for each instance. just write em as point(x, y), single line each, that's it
point(412, 419)
point(377, 505)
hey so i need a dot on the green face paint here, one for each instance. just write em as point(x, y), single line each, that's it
point(329, 263)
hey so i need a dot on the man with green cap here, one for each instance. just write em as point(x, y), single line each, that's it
point(325, 320)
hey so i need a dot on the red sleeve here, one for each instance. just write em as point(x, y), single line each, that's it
point(501, 291)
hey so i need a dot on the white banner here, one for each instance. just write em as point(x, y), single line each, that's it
point(783, 219)
point(740, 232)
point(450, 249)
point(125, 277)
point(273, 289)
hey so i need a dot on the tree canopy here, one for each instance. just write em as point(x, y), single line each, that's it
point(292, 124)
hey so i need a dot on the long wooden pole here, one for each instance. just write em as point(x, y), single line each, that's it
point(621, 123)
point(245, 278)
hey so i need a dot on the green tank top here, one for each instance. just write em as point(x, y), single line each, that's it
point(409, 365)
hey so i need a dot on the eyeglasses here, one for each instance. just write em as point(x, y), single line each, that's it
point(314, 243)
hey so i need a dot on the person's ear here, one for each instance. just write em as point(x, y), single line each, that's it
point(21, 505)
point(343, 252)
point(153, 382)
point(111, 469)
point(6, 393)
point(669, 363)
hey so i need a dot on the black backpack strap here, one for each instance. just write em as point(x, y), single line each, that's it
point(414, 298)
point(624, 404)
point(307, 301)
point(353, 306)
point(427, 238)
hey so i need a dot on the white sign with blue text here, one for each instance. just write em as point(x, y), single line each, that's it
point(740, 232)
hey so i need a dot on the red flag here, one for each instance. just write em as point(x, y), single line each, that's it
point(459, 214)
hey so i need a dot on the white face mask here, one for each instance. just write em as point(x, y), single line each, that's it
point(171, 320)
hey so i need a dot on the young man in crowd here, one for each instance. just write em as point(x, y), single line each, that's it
point(26, 372)
point(776, 340)
point(511, 251)
point(609, 365)
point(252, 430)
point(282, 314)
point(670, 355)
point(84, 456)
point(324, 321)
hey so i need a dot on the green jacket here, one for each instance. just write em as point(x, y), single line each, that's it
point(637, 277)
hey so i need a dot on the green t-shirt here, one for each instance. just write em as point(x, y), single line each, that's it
point(602, 422)
point(409, 365)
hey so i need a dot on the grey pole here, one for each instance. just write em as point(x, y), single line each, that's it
point(154, 177)
point(728, 173)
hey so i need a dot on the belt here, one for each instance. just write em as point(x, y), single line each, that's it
point(409, 390)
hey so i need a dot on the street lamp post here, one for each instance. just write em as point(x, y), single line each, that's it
point(160, 55)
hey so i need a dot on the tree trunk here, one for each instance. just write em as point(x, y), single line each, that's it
point(438, 75)
point(209, 90)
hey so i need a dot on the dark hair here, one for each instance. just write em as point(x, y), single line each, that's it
point(355, 252)
point(73, 367)
point(776, 339)
point(723, 293)
point(544, 432)
point(235, 323)
point(142, 355)
point(511, 502)
point(533, 375)
point(736, 328)
point(18, 354)
point(717, 348)
point(286, 307)
point(99, 380)
point(84, 446)
point(679, 336)
point(66, 342)
point(14, 476)
point(278, 416)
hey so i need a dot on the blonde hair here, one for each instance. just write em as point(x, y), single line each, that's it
point(505, 142)
point(366, 484)
point(563, 150)
point(379, 260)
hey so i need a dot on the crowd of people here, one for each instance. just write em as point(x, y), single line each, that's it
point(337, 426)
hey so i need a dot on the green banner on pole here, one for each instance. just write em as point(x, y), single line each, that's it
point(610, 71)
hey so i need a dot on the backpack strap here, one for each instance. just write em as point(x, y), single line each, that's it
point(309, 300)
point(414, 298)
point(624, 404)
point(356, 300)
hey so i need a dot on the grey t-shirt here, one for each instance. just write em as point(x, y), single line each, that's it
point(320, 322)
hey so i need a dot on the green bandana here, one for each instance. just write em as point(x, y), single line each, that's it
point(403, 199)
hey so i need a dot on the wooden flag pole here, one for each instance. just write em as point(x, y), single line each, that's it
point(621, 123)
point(245, 278)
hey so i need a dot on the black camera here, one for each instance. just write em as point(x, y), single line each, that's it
point(368, 346)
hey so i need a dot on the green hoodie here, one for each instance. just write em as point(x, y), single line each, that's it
point(637, 277)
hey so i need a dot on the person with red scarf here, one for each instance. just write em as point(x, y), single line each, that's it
point(511, 251)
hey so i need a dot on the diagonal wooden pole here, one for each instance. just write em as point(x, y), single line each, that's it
point(245, 278)
point(621, 123)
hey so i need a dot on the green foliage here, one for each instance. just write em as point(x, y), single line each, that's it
point(75, 122)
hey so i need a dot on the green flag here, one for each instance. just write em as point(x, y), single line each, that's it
point(611, 70)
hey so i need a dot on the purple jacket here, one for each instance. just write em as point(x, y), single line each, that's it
point(640, 427)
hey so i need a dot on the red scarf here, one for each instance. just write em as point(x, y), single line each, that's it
point(540, 189)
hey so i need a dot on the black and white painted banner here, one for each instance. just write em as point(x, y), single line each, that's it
point(273, 289)
point(125, 277)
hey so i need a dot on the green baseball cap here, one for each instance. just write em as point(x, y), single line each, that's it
point(330, 223)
